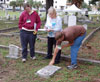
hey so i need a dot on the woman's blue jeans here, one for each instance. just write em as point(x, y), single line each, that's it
point(75, 48)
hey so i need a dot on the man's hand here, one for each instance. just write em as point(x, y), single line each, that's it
point(51, 62)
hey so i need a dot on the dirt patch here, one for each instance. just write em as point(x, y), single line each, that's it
point(6, 69)
point(92, 49)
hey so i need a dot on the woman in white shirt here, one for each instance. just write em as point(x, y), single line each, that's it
point(53, 25)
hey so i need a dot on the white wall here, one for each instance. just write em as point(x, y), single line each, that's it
point(59, 3)
point(7, 1)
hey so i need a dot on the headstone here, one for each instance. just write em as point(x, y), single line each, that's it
point(0, 17)
point(8, 17)
point(90, 18)
point(66, 19)
point(13, 51)
point(6, 12)
point(14, 17)
point(98, 19)
point(71, 20)
point(47, 71)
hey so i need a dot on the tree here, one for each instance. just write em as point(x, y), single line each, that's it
point(99, 5)
point(78, 3)
point(93, 2)
point(37, 4)
point(31, 2)
point(13, 3)
point(84, 5)
point(48, 4)
point(19, 3)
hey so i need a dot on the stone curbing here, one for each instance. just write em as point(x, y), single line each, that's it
point(63, 57)
point(90, 35)
point(8, 29)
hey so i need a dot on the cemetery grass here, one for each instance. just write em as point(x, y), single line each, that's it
point(11, 13)
point(4, 24)
point(15, 71)
point(89, 51)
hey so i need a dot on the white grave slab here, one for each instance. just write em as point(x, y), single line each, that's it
point(13, 51)
point(47, 71)
point(72, 20)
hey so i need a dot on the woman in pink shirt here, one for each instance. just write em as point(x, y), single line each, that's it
point(28, 31)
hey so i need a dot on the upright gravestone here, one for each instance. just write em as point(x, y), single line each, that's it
point(8, 17)
point(91, 18)
point(0, 17)
point(6, 12)
point(47, 71)
point(98, 19)
point(13, 52)
point(66, 19)
point(72, 20)
point(14, 17)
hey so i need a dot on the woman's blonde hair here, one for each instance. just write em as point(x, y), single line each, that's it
point(52, 10)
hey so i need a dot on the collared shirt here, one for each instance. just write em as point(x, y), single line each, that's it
point(55, 24)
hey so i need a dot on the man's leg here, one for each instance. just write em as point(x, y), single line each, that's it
point(74, 51)
point(75, 48)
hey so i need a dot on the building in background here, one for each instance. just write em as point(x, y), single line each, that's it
point(6, 1)
point(58, 4)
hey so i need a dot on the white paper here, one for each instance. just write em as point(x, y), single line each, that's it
point(41, 29)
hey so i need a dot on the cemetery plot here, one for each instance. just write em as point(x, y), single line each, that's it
point(16, 71)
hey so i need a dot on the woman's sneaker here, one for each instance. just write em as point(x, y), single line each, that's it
point(23, 60)
point(73, 66)
point(33, 58)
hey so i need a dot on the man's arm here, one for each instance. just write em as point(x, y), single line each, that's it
point(56, 51)
point(54, 56)
point(66, 45)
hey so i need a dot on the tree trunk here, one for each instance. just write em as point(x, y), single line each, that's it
point(20, 7)
point(78, 3)
point(13, 8)
point(48, 4)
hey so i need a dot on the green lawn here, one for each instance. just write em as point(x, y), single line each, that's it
point(11, 13)
point(16, 71)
